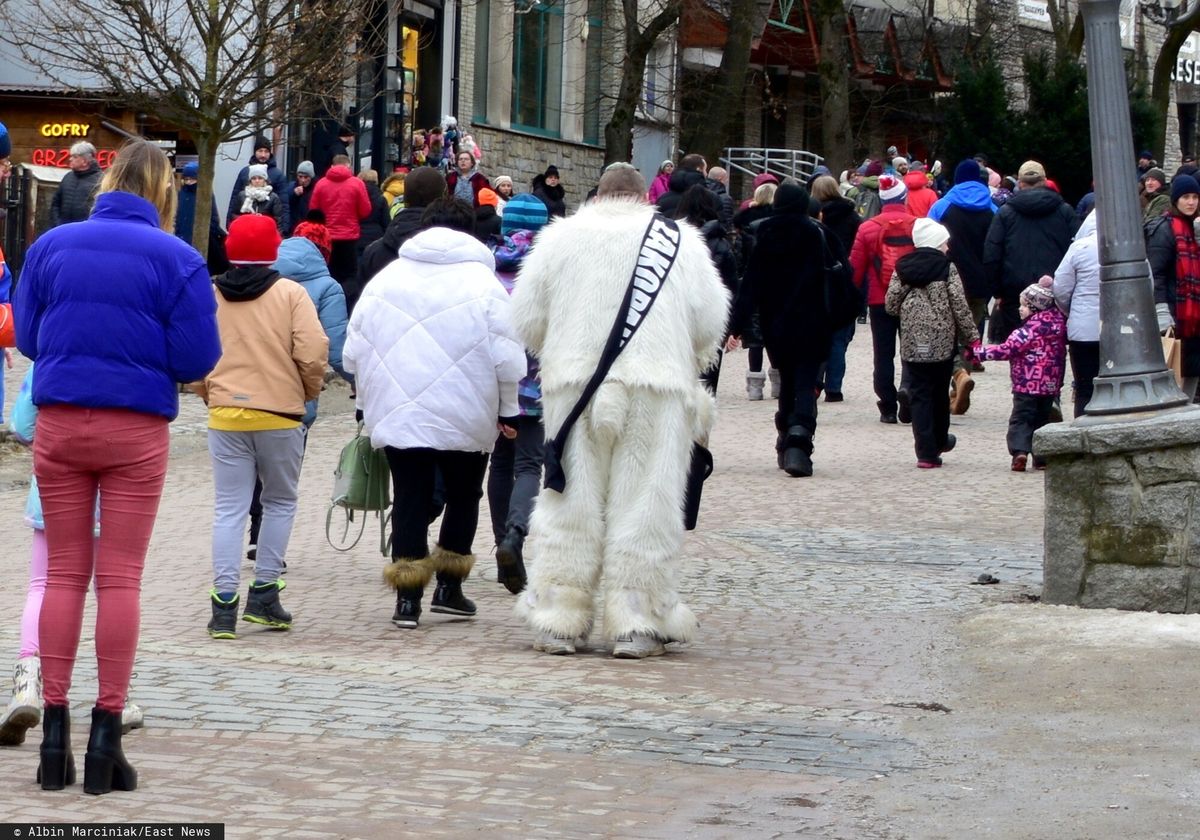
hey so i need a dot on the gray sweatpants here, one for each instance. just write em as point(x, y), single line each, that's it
point(237, 459)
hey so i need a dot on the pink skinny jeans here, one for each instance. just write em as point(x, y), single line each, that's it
point(123, 455)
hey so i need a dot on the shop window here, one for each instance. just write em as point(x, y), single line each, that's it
point(537, 67)
point(593, 71)
point(483, 12)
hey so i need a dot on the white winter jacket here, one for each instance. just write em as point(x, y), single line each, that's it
point(1077, 283)
point(432, 347)
point(573, 281)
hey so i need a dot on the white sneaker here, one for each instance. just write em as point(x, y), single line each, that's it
point(546, 642)
point(131, 717)
point(25, 708)
point(638, 646)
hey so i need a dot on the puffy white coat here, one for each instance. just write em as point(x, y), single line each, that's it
point(1077, 283)
point(573, 281)
point(432, 347)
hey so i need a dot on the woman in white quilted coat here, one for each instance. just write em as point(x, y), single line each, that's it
point(436, 363)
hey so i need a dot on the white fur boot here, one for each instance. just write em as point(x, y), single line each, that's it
point(755, 380)
point(25, 709)
point(773, 374)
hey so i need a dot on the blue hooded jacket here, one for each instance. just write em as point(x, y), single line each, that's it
point(301, 260)
point(972, 195)
point(116, 311)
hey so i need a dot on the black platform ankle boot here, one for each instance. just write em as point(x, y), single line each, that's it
point(56, 770)
point(104, 767)
point(408, 607)
point(448, 597)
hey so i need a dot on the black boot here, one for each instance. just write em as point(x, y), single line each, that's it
point(104, 767)
point(510, 561)
point(797, 452)
point(263, 607)
point(408, 607)
point(448, 597)
point(56, 770)
point(223, 624)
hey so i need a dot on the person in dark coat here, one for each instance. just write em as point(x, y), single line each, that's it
point(1026, 240)
point(689, 172)
point(72, 200)
point(372, 227)
point(547, 187)
point(185, 217)
point(263, 156)
point(487, 220)
point(1174, 254)
point(842, 220)
point(967, 211)
point(785, 284)
point(299, 192)
point(421, 187)
point(701, 207)
point(259, 198)
point(717, 181)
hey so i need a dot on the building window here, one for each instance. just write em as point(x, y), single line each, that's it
point(593, 71)
point(483, 12)
point(537, 67)
point(657, 102)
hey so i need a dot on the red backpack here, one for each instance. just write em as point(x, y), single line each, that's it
point(895, 240)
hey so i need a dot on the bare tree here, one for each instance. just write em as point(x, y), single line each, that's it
point(833, 70)
point(707, 130)
point(639, 41)
point(1179, 26)
point(217, 69)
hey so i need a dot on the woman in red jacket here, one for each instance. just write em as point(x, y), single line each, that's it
point(344, 201)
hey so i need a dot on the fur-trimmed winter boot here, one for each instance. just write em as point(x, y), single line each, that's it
point(773, 375)
point(408, 576)
point(105, 768)
point(755, 380)
point(452, 569)
point(25, 708)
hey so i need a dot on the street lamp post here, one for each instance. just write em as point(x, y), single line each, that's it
point(1133, 376)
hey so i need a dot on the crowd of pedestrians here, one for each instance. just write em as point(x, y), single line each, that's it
point(564, 364)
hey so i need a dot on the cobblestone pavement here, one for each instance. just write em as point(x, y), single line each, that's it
point(837, 615)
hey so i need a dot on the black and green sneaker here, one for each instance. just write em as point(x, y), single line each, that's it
point(223, 624)
point(263, 607)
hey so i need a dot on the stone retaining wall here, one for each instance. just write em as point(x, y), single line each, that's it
point(522, 156)
point(1122, 526)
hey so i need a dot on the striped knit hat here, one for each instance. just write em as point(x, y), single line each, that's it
point(892, 190)
point(524, 212)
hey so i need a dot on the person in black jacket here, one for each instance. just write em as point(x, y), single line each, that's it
point(372, 227)
point(547, 187)
point(689, 172)
point(785, 284)
point(1027, 239)
point(258, 198)
point(701, 207)
point(72, 200)
point(421, 187)
point(263, 156)
point(745, 224)
point(966, 211)
point(717, 181)
point(837, 214)
point(299, 192)
point(487, 220)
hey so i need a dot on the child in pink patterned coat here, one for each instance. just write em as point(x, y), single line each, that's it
point(1037, 353)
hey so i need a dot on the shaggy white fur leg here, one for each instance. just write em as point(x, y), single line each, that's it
point(568, 532)
point(644, 520)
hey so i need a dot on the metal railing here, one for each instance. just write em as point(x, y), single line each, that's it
point(782, 163)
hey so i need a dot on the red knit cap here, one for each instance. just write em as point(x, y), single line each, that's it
point(318, 235)
point(253, 240)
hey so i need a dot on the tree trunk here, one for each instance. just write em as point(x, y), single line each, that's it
point(618, 132)
point(206, 149)
point(834, 73)
point(1160, 90)
point(709, 132)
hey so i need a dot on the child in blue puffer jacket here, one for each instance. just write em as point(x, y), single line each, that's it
point(25, 708)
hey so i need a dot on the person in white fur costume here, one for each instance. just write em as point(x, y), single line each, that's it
point(626, 460)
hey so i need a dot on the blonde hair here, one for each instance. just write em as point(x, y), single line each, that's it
point(765, 194)
point(143, 169)
point(825, 189)
point(369, 176)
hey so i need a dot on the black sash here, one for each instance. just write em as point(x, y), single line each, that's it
point(660, 246)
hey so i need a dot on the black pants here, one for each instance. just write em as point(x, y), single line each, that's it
point(413, 485)
point(343, 267)
point(1008, 318)
point(929, 389)
point(798, 403)
point(1085, 366)
point(885, 329)
point(1029, 413)
point(515, 477)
